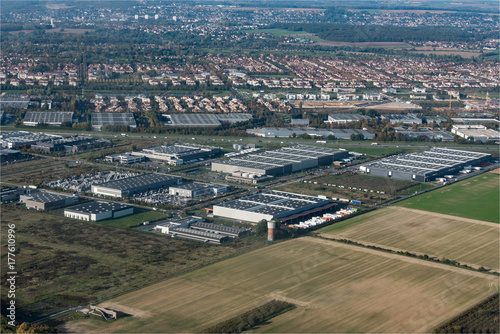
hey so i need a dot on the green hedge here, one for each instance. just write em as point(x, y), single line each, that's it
point(251, 318)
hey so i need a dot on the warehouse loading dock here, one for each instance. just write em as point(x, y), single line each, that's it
point(135, 184)
point(282, 161)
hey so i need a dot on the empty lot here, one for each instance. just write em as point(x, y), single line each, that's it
point(336, 287)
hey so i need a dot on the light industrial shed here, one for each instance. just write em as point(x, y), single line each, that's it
point(135, 184)
point(101, 119)
point(98, 210)
point(196, 189)
point(193, 228)
point(313, 132)
point(424, 166)
point(268, 206)
point(45, 200)
point(285, 160)
point(178, 154)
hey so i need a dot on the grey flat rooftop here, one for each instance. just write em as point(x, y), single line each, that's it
point(272, 202)
point(428, 161)
point(137, 181)
point(47, 197)
point(97, 207)
point(247, 164)
point(99, 119)
point(178, 150)
point(193, 186)
point(346, 117)
point(193, 120)
point(233, 117)
point(48, 117)
point(198, 233)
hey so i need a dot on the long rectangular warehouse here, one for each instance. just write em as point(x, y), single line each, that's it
point(269, 205)
point(285, 160)
point(425, 166)
point(178, 154)
point(135, 184)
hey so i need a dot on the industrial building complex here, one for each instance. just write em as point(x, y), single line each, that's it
point(313, 132)
point(272, 205)
point(193, 228)
point(178, 154)
point(98, 210)
point(21, 138)
point(205, 119)
point(48, 118)
point(71, 144)
point(343, 118)
point(101, 119)
point(45, 200)
point(478, 132)
point(425, 166)
point(196, 189)
point(135, 184)
point(285, 160)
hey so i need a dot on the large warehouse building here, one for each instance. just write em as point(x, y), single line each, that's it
point(313, 132)
point(178, 154)
point(135, 184)
point(48, 118)
point(99, 210)
point(424, 166)
point(271, 205)
point(285, 160)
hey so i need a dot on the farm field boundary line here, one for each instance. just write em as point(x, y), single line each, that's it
point(442, 215)
point(393, 250)
point(402, 258)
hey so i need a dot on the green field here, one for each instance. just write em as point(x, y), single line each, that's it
point(477, 197)
point(133, 220)
point(336, 288)
point(467, 241)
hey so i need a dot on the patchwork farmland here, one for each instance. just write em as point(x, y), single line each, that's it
point(467, 241)
point(336, 288)
point(477, 198)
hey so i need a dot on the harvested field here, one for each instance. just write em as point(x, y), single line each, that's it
point(477, 198)
point(472, 242)
point(336, 288)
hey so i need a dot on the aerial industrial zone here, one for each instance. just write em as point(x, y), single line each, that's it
point(220, 167)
